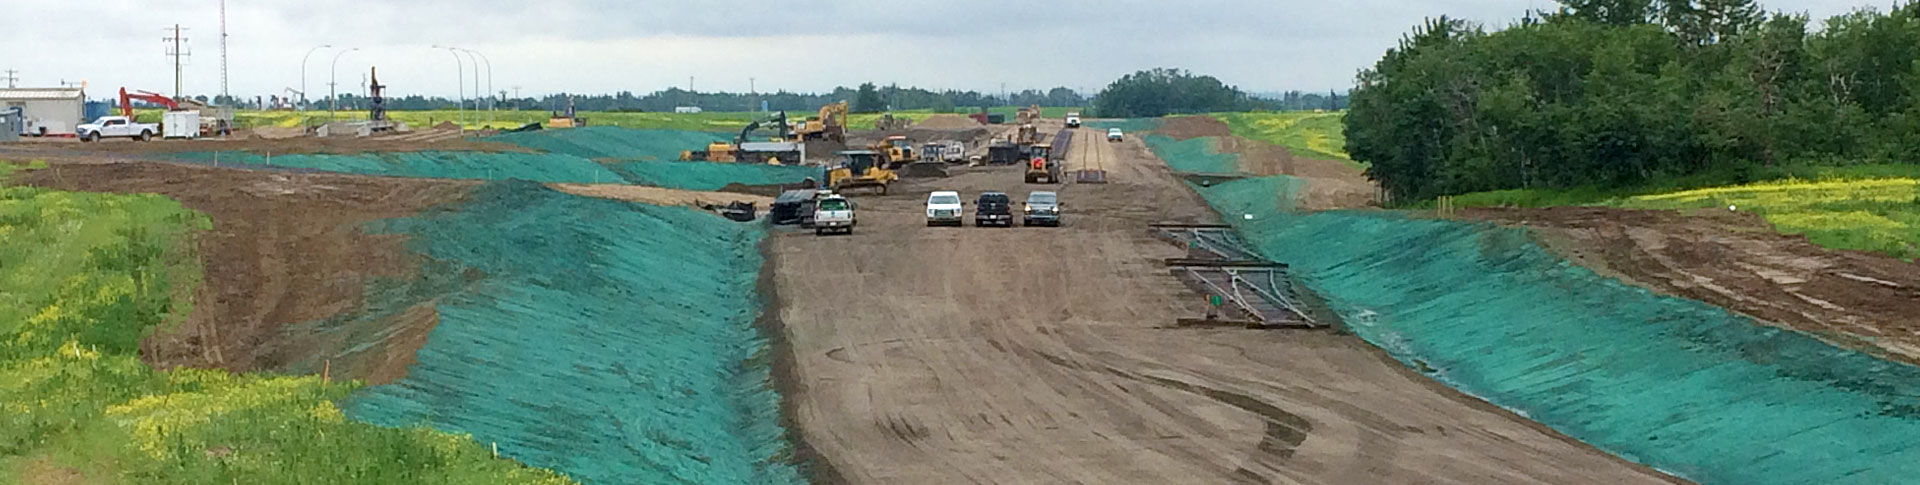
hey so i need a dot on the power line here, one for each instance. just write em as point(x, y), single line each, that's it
point(175, 51)
point(12, 77)
point(223, 49)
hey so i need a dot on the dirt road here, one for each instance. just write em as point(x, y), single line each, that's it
point(1043, 355)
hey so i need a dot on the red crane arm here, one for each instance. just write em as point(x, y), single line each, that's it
point(126, 101)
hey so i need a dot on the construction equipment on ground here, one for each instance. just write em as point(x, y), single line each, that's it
point(210, 120)
point(782, 149)
point(1028, 114)
point(1026, 135)
point(568, 119)
point(858, 169)
point(1042, 168)
point(830, 124)
point(889, 122)
point(895, 151)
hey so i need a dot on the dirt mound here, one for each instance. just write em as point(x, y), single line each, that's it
point(279, 132)
point(1185, 127)
point(1330, 184)
point(261, 144)
point(1735, 260)
point(947, 122)
point(285, 250)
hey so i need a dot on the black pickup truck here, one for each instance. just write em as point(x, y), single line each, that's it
point(993, 209)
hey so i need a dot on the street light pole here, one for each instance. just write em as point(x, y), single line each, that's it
point(460, 84)
point(489, 62)
point(476, 82)
point(303, 74)
point(331, 82)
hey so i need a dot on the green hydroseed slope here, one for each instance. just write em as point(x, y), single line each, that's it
point(616, 348)
point(1677, 384)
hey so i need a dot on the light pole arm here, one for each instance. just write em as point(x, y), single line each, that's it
point(303, 74)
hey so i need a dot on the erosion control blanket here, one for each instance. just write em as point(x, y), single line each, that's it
point(1677, 384)
point(610, 341)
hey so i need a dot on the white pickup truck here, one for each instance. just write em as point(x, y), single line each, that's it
point(116, 127)
point(833, 214)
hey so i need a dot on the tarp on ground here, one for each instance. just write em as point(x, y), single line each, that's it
point(610, 341)
point(1194, 155)
point(615, 143)
point(1677, 384)
point(542, 167)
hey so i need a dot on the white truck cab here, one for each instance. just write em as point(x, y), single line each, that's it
point(1073, 119)
point(833, 213)
point(116, 127)
point(944, 208)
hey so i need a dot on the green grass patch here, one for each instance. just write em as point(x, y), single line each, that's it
point(1873, 215)
point(1872, 208)
point(1306, 133)
point(83, 278)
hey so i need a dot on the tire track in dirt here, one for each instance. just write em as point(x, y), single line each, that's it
point(978, 355)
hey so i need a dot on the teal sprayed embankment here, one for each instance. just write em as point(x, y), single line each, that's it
point(616, 348)
point(1676, 384)
point(604, 155)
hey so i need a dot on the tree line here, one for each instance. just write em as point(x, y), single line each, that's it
point(1614, 93)
point(866, 98)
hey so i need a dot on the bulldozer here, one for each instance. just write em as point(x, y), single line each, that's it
point(830, 124)
point(859, 169)
point(895, 151)
point(730, 151)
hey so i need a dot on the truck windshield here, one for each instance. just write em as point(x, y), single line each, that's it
point(1040, 199)
point(944, 199)
point(833, 205)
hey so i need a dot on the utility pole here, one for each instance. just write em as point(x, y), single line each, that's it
point(12, 77)
point(178, 55)
point(223, 51)
point(752, 96)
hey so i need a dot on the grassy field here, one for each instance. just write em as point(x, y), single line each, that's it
point(1306, 133)
point(1874, 208)
point(1873, 215)
point(83, 278)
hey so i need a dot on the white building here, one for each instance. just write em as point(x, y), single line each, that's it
point(47, 111)
point(686, 109)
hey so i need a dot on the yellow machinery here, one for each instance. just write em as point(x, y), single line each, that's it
point(831, 124)
point(895, 151)
point(1028, 114)
point(729, 151)
point(1042, 168)
point(860, 169)
point(1027, 135)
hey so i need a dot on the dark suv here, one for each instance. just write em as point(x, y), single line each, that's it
point(993, 209)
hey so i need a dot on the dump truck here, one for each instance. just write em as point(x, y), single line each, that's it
point(783, 149)
point(895, 151)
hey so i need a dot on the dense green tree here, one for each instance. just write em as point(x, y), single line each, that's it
point(1160, 92)
point(869, 100)
point(1588, 96)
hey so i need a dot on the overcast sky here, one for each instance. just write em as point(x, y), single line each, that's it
point(598, 46)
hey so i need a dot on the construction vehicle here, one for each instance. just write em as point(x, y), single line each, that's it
point(1027, 135)
point(1073, 119)
point(833, 213)
point(830, 124)
point(859, 169)
point(740, 149)
point(1041, 167)
point(568, 119)
point(889, 122)
point(895, 151)
point(1028, 114)
point(116, 127)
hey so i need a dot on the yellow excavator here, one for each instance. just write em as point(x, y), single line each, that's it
point(859, 169)
point(831, 124)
